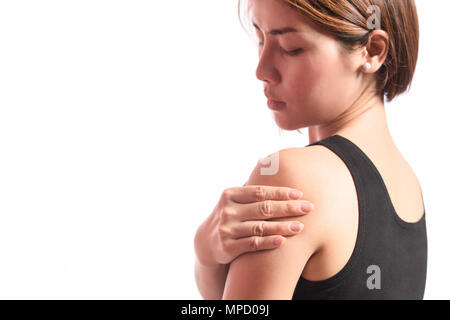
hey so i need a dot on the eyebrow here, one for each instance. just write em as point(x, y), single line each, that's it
point(277, 31)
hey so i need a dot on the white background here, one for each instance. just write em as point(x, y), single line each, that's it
point(121, 122)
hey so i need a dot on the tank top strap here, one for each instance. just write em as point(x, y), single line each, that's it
point(370, 186)
point(349, 152)
point(396, 248)
point(368, 182)
point(359, 165)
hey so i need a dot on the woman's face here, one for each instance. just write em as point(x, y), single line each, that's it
point(318, 83)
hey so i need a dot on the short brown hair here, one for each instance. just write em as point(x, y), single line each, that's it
point(347, 21)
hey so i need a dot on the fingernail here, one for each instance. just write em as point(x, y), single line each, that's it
point(294, 194)
point(296, 226)
point(278, 241)
point(306, 206)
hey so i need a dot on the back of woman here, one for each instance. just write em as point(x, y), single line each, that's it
point(329, 66)
point(377, 248)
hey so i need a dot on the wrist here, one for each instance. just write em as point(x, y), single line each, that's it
point(203, 252)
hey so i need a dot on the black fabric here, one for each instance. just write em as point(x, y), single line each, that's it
point(398, 248)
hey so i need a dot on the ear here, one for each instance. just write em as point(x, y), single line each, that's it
point(377, 49)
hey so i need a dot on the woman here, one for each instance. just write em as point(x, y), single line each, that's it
point(327, 65)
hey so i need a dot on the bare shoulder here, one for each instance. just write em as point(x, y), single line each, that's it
point(273, 274)
point(322, 177)
point(321, 174)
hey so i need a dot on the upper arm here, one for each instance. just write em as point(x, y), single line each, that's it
point(273, 274)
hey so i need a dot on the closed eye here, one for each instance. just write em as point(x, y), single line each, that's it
point(294, 52)
point(289, 53)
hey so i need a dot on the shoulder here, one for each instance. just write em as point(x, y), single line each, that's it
point(275, 273)
point(315, 170)
point(322, 177)
point(306, 162)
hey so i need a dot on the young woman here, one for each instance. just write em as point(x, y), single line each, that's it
point(326, 65)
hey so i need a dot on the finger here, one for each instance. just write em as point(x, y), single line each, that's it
point(266, 228)
point(248, 194)
point(270, 209)
point(251, 244)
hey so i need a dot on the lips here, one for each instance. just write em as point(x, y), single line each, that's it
point(272, 97)
point(275, 105)
point(273, 102)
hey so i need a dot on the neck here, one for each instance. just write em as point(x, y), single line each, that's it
point(367, 121)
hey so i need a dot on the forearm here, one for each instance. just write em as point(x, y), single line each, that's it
point(210, 276)
point(211, 280)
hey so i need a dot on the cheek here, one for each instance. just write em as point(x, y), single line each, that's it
point(318, 81)
point(308, 77)
point(302, 78)
point(329, 83)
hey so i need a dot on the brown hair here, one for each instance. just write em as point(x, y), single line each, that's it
point(347, 20)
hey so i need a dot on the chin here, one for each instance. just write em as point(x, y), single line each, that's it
point(285, 124)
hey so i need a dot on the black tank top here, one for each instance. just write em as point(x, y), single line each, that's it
point(389, 260)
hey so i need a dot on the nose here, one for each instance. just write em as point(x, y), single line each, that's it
point(266, 70)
